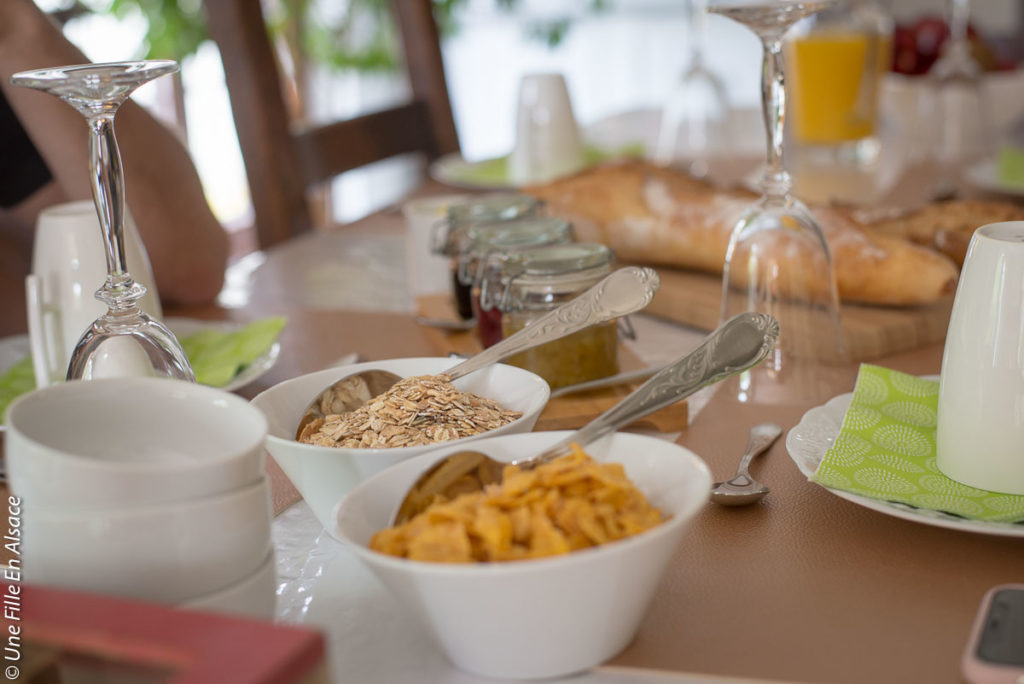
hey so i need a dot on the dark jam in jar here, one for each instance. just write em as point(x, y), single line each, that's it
point(462, 294)
point(453, 243)
point(488, 322)
point(490, 244)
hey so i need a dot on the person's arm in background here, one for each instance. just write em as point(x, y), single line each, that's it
point(187, 246)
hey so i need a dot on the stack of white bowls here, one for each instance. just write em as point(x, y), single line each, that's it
point(144, 488)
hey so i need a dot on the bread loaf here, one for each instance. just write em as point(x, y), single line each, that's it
point(948, 226)
point(649, 214)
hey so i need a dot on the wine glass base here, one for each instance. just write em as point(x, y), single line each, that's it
point(778, 263)
point(134, 345)
point(800, 384)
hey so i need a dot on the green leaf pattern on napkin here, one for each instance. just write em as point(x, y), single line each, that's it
point(886, 450)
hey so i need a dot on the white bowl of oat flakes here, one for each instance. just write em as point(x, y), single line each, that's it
point(325, 474)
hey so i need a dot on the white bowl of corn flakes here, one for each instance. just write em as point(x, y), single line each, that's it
point(324, 474)
point(534, 617)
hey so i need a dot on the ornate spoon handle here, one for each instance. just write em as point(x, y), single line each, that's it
point(738, 344)
point(619, 293)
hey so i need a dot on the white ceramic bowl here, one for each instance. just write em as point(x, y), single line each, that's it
point(537, 618)
point(325, 474)
point(123, 442)
point(253, 596)
point(168, 553)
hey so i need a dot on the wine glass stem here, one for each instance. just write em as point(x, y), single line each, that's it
point(107, 179)
point(958, 21)
point(698, 31)
point(776, 181)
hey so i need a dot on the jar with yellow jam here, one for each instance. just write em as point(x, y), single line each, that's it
point(490, 245)
point(451, 237)
point(536, 281)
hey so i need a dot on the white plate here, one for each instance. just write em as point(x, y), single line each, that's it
point(984, 176)
point(456, 172)
point(16, 347)
point(818, 429)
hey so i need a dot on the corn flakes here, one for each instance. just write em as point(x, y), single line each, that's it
point(570, 503)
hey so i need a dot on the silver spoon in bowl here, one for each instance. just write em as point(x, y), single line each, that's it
point(619, 293)
point(735, 346)
point(743, 489)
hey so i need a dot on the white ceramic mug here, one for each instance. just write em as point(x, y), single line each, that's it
point(980, 435)
point(429, 271)
point(547, 142)
point(68, 266)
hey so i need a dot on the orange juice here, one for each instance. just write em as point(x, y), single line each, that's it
point(833, 85)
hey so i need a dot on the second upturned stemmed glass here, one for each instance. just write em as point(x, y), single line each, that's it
point(694, 119)
point(125, 340)
point(778, 261)
point(963, 130)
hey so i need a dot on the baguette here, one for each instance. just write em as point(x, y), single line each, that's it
point(650, 214)
point(948, 226)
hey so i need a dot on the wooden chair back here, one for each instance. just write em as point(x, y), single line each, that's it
point(283, 161)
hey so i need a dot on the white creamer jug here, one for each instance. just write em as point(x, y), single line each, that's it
point(68, 266)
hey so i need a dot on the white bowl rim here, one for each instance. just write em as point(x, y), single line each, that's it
point(50, 515)
point(531, 564)
point(414, 450)
point(243, 450)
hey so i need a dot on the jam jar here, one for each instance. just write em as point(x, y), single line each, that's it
point(538, 280)
point(490, 244)
point(451, 239)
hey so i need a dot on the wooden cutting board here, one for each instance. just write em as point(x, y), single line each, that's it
point(566, 412)
point(694, 299)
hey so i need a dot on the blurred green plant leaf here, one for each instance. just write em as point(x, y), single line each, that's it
point(361, 38)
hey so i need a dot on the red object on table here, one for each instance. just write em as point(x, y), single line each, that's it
point(189, 646)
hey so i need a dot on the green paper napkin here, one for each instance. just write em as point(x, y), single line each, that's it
point(1010, 167)
point(886, 450)
point(217, 356)
point(19, 379)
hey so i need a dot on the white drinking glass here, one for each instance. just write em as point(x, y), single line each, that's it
point(980, 436)
point(429, 270)
point(68, 262)
point(547, 143)
point(962, 115)
point(694, 120)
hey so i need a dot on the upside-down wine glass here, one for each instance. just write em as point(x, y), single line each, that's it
point(695, 116)
point(124, 340)
point(963, 131)
point(778, 261)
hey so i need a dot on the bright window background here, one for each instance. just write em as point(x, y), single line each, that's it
point(625, 58)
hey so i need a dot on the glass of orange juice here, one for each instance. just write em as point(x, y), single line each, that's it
point(834, 62)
